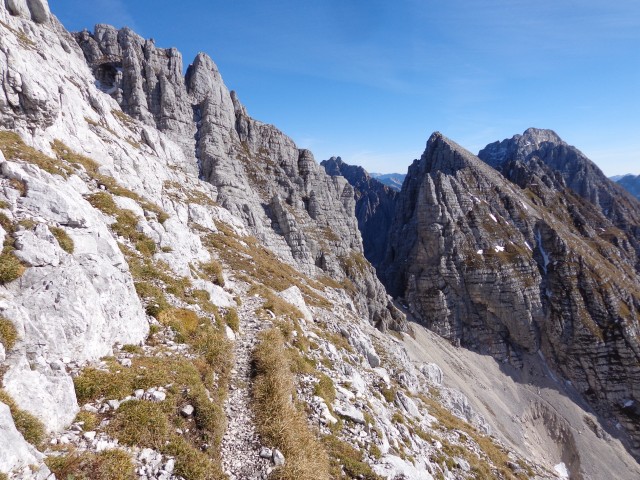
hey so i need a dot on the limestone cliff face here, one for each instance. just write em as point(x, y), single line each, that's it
point(375, 206)
point(282, 195)
point(568, 166)
point(529, 266)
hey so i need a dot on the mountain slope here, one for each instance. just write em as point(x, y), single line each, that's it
point(569, 167)
point(143, 285)
point(393, 180)
point(511, 270)
point(631, 183)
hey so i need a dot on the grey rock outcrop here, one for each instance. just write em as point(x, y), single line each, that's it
point(506, 268)
point(375, 206)
point(544, 153)
point(282, 195)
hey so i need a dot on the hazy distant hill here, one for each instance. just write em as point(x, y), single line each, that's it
point(393, 180)
point(629, 182)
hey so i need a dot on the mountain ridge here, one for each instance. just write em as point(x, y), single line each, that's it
point(171, 262)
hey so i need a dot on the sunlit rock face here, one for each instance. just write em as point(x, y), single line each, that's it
point(527, 265)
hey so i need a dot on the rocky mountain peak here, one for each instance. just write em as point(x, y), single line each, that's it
point(169, 261)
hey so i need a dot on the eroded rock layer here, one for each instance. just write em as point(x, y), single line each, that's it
point(529, 266)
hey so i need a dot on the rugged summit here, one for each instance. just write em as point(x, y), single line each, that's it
point(546, 154)
point(375, 206)
point(280, 192)
point(525, 267)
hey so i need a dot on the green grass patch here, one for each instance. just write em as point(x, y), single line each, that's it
point(107, 465)
point(28, 425)
point(213, 272)
point(345, 456)
point(325, 389)
point(10, 268)
point(8, 334)
point(63, 238)
point(231, 319)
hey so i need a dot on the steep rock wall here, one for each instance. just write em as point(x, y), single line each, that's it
point(504, 269)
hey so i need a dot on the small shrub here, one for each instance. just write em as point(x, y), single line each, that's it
point(8, 334)
point(140, 423)
point(28, 425)
point(63, 238)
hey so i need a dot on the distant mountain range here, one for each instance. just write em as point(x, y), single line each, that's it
point(629, 182)
point(393, 180)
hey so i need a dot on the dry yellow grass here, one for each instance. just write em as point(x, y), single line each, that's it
point(279, 421)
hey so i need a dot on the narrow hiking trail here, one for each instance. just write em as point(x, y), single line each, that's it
point(241, 445)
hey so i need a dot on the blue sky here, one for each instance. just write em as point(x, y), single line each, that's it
point(370, 80)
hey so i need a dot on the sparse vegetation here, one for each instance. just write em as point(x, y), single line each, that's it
point(63, 238)
point(141, 423)
point(28, 425)
point(494, 455)
point(8, 334)
point(213, 272)
point(279, 421)
point(106, 465)
point(91, 167)
point(231, 319)
point(344, 456)
point(14, 148)
point(126, 222)
point(261, 265)
point(278, 306)
point(325, 388)
point(90, 421)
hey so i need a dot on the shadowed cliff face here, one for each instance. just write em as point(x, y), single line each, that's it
point(283, 196)
point(375, 206)
point(529, 266)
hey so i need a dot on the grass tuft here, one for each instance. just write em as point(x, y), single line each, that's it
point(63, 238)
point(8, 334)
point(28, 425)
point(279, 421)
point(140, 423)
point(107, 465)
